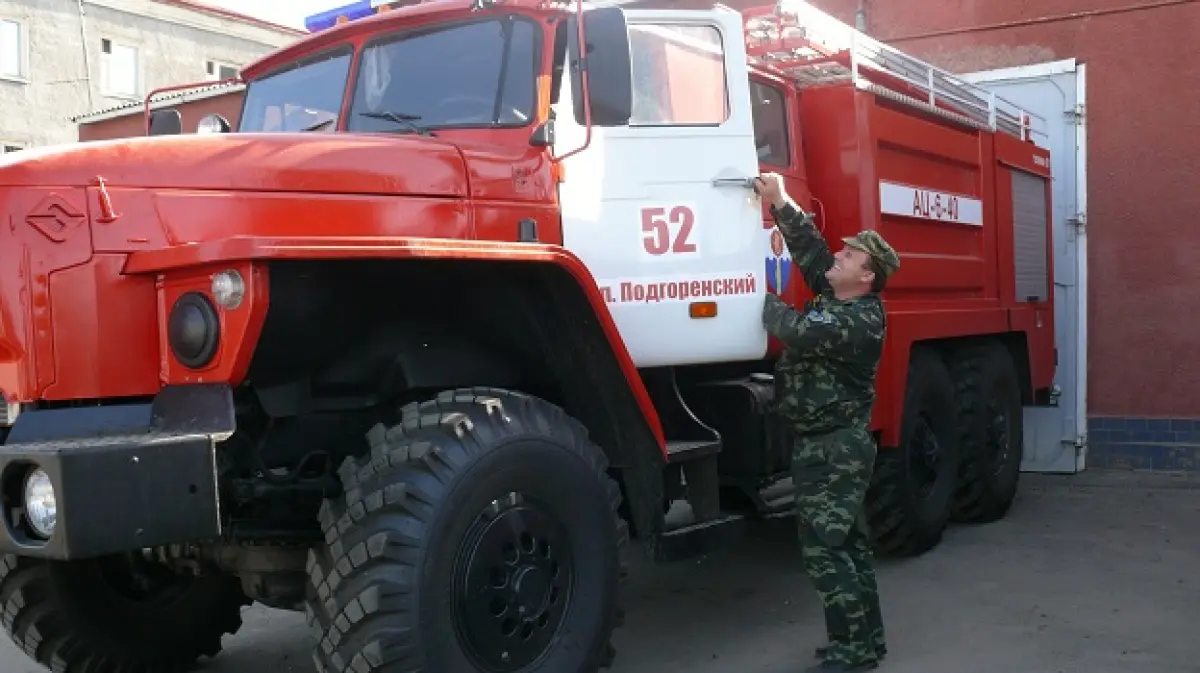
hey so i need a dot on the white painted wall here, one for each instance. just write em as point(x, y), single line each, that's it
point(173, 44)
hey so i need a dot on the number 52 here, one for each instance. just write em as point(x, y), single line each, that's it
point(658, 225)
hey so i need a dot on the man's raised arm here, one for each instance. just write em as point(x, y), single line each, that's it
point(808, 248)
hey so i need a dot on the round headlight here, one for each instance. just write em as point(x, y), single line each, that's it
point(193, 330)
point(228, 288)
point(41, 505)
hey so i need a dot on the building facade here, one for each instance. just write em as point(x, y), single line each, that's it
point(63, 59)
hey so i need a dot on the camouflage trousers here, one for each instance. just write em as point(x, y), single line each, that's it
point(831, 473)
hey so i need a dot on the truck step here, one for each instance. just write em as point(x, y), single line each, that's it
point(779, 508)
point(685, 450)
point(696, 539)
point(778, 500)
point(690, 439)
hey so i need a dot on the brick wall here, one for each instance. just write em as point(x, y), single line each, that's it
point(1144, 443)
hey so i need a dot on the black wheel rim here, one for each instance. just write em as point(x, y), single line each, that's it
point(999, 447)
point(924, 457)
point(513, 583)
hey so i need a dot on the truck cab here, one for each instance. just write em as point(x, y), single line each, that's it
point(648, 180)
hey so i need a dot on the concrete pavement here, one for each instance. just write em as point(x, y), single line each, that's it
point(1095, 573)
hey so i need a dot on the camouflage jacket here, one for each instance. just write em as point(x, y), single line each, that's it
point(825, 379)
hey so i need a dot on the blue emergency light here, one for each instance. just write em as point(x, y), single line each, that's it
point(355, 10)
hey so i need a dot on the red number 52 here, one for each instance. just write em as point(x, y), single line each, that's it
point(657, 226)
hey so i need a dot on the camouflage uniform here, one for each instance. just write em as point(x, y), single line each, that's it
point(826, 390)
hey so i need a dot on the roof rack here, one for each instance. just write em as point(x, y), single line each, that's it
point(814, 49)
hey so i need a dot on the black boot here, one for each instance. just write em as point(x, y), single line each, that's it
point(820, 652)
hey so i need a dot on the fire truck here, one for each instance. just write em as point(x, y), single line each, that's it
point(460, 309)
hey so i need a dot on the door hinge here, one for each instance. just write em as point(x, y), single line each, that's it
point(1079, 221)
point(1076, 115)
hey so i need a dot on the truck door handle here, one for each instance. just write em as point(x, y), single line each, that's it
point(747, 183)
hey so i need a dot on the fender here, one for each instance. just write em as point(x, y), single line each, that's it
point(249, 249)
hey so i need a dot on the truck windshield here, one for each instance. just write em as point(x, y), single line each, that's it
point(477, 74)
point(304, 96)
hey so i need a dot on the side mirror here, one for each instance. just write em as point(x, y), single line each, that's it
point(609, 66)
point(166, 122)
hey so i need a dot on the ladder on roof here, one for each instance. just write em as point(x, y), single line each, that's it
point(814, 49)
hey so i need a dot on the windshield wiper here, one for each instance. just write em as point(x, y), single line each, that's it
point(318, 126)
point(402, 118)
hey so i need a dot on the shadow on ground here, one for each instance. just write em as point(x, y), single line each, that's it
point(1094, 573)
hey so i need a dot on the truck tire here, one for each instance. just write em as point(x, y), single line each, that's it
point(913, 484)
point(991, 425)
point(480, 534)
point(116, 614)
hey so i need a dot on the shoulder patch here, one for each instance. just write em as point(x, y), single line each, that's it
point(820, 317)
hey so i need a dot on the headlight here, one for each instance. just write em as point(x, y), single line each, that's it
point(41, 504)
point(193, 330)
point(228, 288)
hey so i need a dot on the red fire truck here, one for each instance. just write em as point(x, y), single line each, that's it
point(458, 308)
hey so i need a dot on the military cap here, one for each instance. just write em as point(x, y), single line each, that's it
point(870, 242)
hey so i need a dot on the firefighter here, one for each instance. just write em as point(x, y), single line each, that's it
point(825, 388)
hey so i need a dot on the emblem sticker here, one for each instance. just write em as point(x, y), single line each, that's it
point(779, 264)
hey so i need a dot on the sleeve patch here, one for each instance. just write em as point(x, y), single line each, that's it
point(818, 317)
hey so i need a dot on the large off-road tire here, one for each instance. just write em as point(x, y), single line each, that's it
point(480, 534)
point(911, 489)
point(116, 614)
point(991, 424)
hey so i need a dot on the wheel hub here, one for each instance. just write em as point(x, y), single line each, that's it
point(512, 585)
point(531, 589)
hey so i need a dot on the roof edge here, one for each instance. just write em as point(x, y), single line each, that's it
point(162, 100)
point(230, 14)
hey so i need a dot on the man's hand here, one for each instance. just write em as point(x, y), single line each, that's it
point(772, 307)
point(770, 188)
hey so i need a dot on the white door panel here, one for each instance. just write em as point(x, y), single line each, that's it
point(646, 208)
point(1056, 436)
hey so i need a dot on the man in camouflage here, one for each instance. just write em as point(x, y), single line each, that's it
point(825, 387)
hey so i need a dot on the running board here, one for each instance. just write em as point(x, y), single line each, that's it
point(776, 500)
point(697, 539)
point(683, 451)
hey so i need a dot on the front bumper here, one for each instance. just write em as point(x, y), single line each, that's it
point(125, 477)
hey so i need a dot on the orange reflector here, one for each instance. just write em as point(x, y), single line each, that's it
point(702, 309)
